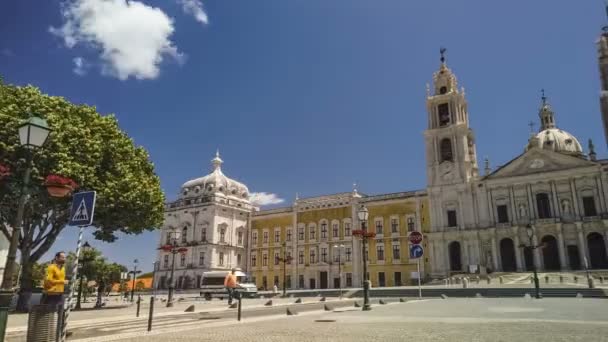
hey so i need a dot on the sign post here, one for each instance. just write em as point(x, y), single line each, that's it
point(81, 215)
point(416, 252)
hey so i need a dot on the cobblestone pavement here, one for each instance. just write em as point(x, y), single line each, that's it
point(429, 320)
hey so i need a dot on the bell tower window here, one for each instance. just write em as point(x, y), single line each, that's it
point(446, 150)
point(443, 90)
point(443, 111)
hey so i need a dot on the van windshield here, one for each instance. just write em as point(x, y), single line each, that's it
point(213, 281)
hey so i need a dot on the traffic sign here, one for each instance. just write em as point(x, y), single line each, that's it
point(83, 208)
point(415, 238)
point(416, 251)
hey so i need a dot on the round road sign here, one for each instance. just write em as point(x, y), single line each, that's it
point(415, 238)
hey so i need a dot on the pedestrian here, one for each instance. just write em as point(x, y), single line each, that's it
point(275, 289)
point(230, 282)
point(55, 281)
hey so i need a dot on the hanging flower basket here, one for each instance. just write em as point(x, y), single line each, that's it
point(167, 248)
point(5, 171)
point(183, 250)
point(59, 186)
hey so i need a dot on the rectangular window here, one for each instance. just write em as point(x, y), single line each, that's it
point(443, 111)
point(300, 281)
point(264, 282)
point(204, 235)
point(182, 260)
point(221, 258)
point(312, 256)
point(240, 238)
point(288, 257)
point(313, 232)
point(349, 280)
point(301, 233)
point(277, 236)
point(452, 222)
point(324, 231)
point(394, 225)
point(254, 260)
point(396, 252)
point(276, 258)
point(589, 206)
point(166, 261)
point(378, 227)
point(503, 213)
point(543, 206)
point(411, 224)
point(168, 241)
point(337, 252)
point(276, 281)
point(300, 257)
point(380, 252)
point(288, 238)
point(265, 237)
point(288, 281)
point(323, 254)
point(348, 253)
point(335, 230)
point(264, 259)
point(346, 229)
point(398, 279)
point(381, 279)
point(185, 235)
point(254, 238)
point(201, 258)
point(223, 235)
point(238, 259)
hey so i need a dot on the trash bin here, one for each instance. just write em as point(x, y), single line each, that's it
point(42, 323)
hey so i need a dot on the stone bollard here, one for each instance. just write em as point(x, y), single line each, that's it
point(446, 282)
point(575, 279)
point(489, 280)
point(561, 279)
point(501, 280)
point(547, 279)
point(291, 312)
point(465, 283)
point(591, 283)
point(189, 309)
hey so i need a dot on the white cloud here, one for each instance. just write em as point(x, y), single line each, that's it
point(132, 38)
point(80, 66)
point(264, 198)
point(194, 8)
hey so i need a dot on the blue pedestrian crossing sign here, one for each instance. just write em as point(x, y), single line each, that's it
point(416, 251)
point(83, 208)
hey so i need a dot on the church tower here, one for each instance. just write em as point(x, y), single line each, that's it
point(450, 144)
point(602, 48)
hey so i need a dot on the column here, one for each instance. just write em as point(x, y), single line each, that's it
point(575, 202)
point(465, 254)
point(536, 251)
point(446, 257)
point(431, 253)
point(557, 211)
point(606, 241)
point(494, 254)
point(582, 246)
point(562, 253)
point(518, 255)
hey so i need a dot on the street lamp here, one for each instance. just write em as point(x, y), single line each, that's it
point(364, 235)
point(134, 272)
point(174, 235)
point(33, 133)
point(86, 249)
point(285, 259)
point(339, 248)
point(532, 247)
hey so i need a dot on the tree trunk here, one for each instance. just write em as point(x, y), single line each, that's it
point(26, 283)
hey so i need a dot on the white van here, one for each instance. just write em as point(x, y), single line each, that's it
point(212, 285)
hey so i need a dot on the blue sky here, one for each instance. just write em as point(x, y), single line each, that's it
point(305, 96)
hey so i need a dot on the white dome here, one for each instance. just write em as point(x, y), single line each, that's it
point(215, 183)
point(558, 140)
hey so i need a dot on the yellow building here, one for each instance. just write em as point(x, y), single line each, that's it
point(311, 245)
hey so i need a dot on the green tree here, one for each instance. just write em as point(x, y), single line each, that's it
point(85, 146)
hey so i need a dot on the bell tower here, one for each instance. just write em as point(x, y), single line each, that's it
point(602, 51)
point(450, 144)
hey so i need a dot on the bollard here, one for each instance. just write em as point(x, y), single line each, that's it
point(601, 280)
point(489, 280)
point(239, 308)
point(446, 282)
point(561, 279)
point(138, 306)
point(547, 279)
point(42, 325)
point(151, 313)
point(501, 280)
point(465, 283)
point(575, 279)
point(591, 283)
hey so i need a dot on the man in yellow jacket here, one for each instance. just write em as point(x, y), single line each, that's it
point(54, 282)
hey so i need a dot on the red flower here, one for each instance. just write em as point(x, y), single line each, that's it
point(183, 250)
point(5, 171)
point(60, 180)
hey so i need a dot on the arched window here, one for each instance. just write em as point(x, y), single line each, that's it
point(543, 205)
point(185, 235)
point(446, 150)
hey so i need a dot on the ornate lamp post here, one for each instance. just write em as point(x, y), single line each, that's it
point(134, 273)
point(173, 249)
point(86, 248)
point(339, 248)
point(285, 260)
point(364, 235)
point(33, 133)
point(532, 247)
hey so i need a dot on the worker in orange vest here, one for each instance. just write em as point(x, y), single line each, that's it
point(231, 283)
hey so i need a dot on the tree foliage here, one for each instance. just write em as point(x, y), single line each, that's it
point(85, 146)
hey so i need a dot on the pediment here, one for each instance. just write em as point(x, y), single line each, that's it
point(538, 160)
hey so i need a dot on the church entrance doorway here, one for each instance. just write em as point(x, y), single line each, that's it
point(550, 253)
point(455, 260)
point(507, 255)
point(597, 251)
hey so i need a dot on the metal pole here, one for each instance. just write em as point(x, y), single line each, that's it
point(133, 283)
point(138, 306)
point(340, 270)
point(150, 313)
point(536, 282)
point(366, 306)
point(79, 291)
point(589, 282)
point(172, 284)
point(239, 308)
point(419, 287)
point(74, 274)
point(284, 272)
